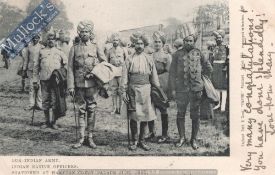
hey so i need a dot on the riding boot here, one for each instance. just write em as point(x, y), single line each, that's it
point(54, 119)
point(181, 129)
point(90, 129)
point(164, 125)
point(82, 125)
point(195, 130)
point(47, 119)
point(133, 128)
point(152, 132)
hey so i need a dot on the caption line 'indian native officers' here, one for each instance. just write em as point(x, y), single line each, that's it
point(139, 74)
point(116, 56)
point(83, 57)
point(186, 84)
point(29, 54)
point(48, 60)
point(162, 62)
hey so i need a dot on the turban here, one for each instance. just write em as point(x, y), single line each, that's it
point(159, 35)
point(114, 35)
point(139, 35)
point(219, 32)
point(85, 25)
point(51, 33)
point(178, 42)
point(188, 29)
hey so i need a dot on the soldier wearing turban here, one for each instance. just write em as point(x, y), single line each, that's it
point(162, 62)
point(116, 56)
point(220, 76)
point(186, 85)
point(139, 74)
point(84, 56)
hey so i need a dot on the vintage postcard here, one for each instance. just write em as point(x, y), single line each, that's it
point(137, 87)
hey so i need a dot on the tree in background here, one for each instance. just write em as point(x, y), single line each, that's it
point(10, 17)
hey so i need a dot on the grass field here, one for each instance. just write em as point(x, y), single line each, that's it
point(18, 137)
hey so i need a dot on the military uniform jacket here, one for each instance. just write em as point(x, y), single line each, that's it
point(30, 53)
point(82, 59)
point(220, 53)
point(48, 60)
point(186, 70)
point(162, 61)
point(117, 56)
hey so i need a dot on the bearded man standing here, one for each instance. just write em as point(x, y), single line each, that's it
point(83, 57)
point(139, 74)
point(186, 85)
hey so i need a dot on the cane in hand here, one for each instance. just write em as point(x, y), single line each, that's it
point(75, 117)
point(128, 119)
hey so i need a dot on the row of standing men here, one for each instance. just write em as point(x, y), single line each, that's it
point(178, 75)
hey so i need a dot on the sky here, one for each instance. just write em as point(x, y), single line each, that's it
point(115, 15)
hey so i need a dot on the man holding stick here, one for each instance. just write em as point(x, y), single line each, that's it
point(83, 57)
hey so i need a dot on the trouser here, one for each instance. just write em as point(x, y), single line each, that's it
point(116, 96)
point(164, 123)
point(182, 100)
point(134, 131)
point(48, 101)
point(50, 117)
point(32, 94)
point(84, 98)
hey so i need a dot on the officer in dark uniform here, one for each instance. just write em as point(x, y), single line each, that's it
point(186, 85)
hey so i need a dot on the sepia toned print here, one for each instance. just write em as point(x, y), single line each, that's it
point(161, 90)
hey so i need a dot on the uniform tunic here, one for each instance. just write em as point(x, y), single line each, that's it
point(45, 63)
point(116, 57)
point(219, 77)
point(185, 78)
point(83, 58)
point(139, 73)
point(162, 61)
point(29, 54)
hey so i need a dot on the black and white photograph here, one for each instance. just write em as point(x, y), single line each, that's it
point(116, 78)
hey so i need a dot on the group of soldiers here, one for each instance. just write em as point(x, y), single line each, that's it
point(177, 75)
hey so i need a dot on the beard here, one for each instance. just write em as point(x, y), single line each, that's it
point(139, 49)
point(51, 44)
point(85, 38)
point(189, 47)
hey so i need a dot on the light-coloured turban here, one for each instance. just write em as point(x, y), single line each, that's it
point(139, 35)
point(85, 25)
point(219, 32)
point(159, 35)
point(115, 35)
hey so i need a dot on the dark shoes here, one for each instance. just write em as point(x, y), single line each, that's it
point(78, 144)
point(133, 147)
point(144, 146)
point(150, 137)
point(181, 142)
point(194, 144)
point(141, 145)
point(163, 139)
point(87, 141)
